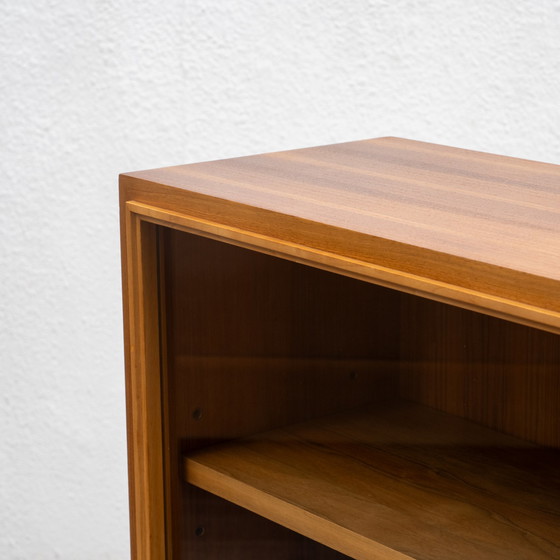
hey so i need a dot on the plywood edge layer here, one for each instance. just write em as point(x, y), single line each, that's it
point(508, 309)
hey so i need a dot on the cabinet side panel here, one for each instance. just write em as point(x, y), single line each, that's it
point(503, 375)
point(143, 376)
point(256, 342)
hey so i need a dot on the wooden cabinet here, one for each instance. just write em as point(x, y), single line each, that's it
point(349, 351)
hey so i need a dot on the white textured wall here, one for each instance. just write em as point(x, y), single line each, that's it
point(93, 88)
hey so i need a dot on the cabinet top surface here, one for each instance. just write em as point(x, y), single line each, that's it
point(488, 208)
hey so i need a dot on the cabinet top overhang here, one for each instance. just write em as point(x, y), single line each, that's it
point(481, 221)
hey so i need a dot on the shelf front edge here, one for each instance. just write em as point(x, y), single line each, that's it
point(423, 286)
point(289, 515)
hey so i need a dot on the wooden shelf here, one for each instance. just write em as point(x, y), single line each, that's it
point(393, 481)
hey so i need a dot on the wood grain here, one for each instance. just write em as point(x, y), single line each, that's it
point(394, 482)
point(256, 342)
point(506, 308)
point(503, 375)
point(267, 290)
point(143, 387)
point(225, 531)
point(480, 222)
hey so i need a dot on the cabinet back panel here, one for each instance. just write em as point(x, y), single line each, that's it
point(501, 374)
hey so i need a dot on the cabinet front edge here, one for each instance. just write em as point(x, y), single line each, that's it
point(423, 286)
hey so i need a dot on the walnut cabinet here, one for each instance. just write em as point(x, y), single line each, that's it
point(349, 351)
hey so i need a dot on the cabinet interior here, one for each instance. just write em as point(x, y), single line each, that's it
point(252, 343)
